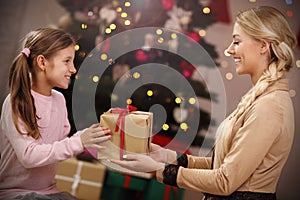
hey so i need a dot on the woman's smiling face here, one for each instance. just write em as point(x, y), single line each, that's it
point(246, 52)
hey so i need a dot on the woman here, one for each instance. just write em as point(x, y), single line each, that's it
point(253, 143)
point(34, 123)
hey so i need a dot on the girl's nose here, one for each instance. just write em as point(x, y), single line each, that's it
point(73, 69)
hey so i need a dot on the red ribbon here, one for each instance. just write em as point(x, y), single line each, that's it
point(127, 181)
point(168, 191)
point(121, 124)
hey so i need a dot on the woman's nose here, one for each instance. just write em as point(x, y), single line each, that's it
point(230, 49)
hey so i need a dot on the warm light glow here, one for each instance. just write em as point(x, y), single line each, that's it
point(127, 4)
point(160, 40)
point(173, 35)
point(165, 127)
point(112, 26)
point(118, 9)
point(107, 30)
point(229, 76)
point(192, 100)
point(159, 31)
point(252, 1)
point(206, 10)
point(298, 63)
point(129, 101)
point(150, 93)
point(123, 14)
point(127, 22)
point(178, 100)
point(76, 47)
point(202, 33)
point(95, 79)
point(224, 64)
point(184, 126)
point(83, 26)
point(103, 56)
point(136, 75)
point(292, 93)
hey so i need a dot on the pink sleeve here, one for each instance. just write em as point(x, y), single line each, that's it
point(35, 153)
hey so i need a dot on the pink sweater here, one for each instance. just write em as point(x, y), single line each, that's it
point(29, 165)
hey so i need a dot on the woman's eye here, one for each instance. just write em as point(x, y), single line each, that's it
point(236, 43)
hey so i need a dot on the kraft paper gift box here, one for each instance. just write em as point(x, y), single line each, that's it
point(131, 132)
point(80, 178)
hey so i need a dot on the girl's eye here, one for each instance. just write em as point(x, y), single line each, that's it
point(236, 43)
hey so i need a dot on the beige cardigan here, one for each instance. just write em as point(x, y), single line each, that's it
point(262, 141)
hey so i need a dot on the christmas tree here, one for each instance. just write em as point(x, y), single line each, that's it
point(94, 22)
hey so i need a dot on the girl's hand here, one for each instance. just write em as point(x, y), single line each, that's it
point(94, 135)
point(158, 153)
point(139, 163)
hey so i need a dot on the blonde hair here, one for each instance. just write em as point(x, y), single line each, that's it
point(268, 24)
point(44, 41)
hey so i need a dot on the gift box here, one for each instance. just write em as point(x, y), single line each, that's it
point(82, 179)
point(160, 191)
point(131, 132)
point(122, 186)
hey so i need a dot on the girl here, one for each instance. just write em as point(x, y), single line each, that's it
point(34, 124)
point(254, 142)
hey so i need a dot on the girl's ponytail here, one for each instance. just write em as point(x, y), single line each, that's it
point(23, 109)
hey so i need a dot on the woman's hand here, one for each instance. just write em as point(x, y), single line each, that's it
point(94, 135)
point(139, 163)
point(158, 153)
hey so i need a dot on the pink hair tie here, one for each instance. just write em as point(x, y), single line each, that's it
point(26, 51)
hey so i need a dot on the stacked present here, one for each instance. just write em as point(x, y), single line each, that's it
point(82, 179)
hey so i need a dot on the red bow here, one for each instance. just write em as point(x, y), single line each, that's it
point(121, 124)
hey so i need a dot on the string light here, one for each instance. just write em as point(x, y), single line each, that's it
point(206, 10)
point(95, 79)
point(84, 26)
point(292, 93)
point(103, 56)
point(192, 100)
point(124, 14)
point(136, 75)
point(202, 33)
point(159, 31)
point(127, 4)
point(76, 47)
point(178, 100)
point(160, 40)
point(129, 101)
point(149, 93)
point(127, 22)
point(298, 63)
point(118, 9)
point(165, 127)
point(107, 30)
point(112, 26)
point(184, 126)
point(173, 35)
point(229, 76)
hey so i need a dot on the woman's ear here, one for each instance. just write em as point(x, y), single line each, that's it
point(265, 47)
point(41, 62)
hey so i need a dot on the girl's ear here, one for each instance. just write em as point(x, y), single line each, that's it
point(41, 62)
point(265, 47)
